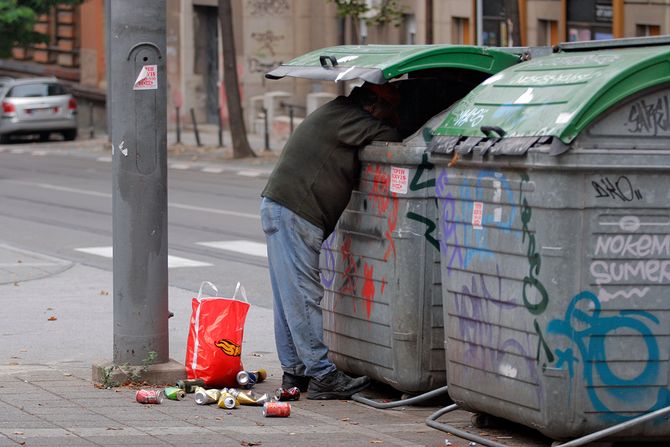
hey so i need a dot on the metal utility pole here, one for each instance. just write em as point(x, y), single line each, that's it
point(138, 108)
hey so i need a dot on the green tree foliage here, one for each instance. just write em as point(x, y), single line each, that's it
point(17, 22)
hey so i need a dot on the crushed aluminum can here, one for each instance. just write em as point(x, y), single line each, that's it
point(228, 401)
point(248, 397)
point(206, 397)
point(174, 393)
point(248, 379)
point(277, 409)
point(149, 396)
point(290, 394)
point(189, 385)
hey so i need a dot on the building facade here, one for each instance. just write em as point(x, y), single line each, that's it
point(268, 32)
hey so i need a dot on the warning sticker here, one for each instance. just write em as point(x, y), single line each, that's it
point(399, 180)
point(147, 79)
point(477, 215)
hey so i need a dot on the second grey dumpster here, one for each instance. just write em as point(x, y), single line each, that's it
point(555, 238)
point(380, 268)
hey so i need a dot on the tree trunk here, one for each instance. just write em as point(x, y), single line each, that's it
point(238, 131)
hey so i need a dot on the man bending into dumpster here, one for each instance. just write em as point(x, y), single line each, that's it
point(302, 201)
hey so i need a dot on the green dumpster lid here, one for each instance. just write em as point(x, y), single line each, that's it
point(379, 63)
point(553, 96)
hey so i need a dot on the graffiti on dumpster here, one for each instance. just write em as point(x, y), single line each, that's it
point(476, 307)
point(450, 245)
point(462, 241)
point(328, 268)
point(619, 189)
point(418, 184)
point(534, 294)
point(471, 117)
point(381, 201)
point(648, 117)
point(368, 288)
point(588, 329)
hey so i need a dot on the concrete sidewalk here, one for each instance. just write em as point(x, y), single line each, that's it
point(58, 322)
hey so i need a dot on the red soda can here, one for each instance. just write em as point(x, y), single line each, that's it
point(283, 394)
point(149, 396)
point(277, 409)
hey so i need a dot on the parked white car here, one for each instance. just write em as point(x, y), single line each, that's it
point(38, 106)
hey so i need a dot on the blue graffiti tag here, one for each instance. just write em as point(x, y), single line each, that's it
point(460, 240)
point(588, 331)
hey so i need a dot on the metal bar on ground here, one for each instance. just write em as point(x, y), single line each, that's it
point(431, 421)
point(399, 403)
point(615, 429)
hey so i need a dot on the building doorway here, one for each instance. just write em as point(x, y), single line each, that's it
point(206, 63)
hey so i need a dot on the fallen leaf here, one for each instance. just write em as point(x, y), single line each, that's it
point(50, 308)
point(344, 419)
point(52, 318)
point(114, 428)
point(376, 441)
point(19, 433)
point(104, 292)
point(251, 443)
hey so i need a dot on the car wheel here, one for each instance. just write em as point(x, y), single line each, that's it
point(70, 135)
point(4, 139)
point(44, 136)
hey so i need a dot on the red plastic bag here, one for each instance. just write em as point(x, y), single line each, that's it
point(214, 348)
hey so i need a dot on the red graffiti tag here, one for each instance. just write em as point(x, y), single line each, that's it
point(368, 288)
point(381, 200)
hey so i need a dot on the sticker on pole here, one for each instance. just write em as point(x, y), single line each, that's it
point(147, 79)
point(477, 215)
point(399, 180)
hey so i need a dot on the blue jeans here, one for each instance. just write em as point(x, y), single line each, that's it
point(293, 246)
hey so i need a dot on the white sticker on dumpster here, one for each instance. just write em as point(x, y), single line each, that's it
point(477, 215)
point(147, 79)
point(399, 180)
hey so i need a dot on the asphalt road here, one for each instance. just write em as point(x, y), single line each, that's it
point(58, 202)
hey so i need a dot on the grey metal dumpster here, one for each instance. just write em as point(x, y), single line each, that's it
point(380, 268)
point(553, 194)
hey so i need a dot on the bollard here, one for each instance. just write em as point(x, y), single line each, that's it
point(91, 125)
point(218, 114)
point(178, 127)
point(266, 130)
point(195, 128)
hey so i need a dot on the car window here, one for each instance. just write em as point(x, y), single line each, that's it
point(36, 90)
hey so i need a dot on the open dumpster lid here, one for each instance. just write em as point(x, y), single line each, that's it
point(553, 96)
point(379, 63)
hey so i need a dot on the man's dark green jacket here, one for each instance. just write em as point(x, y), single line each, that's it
point(319, 165)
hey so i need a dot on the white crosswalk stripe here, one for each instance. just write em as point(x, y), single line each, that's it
point(244, 247)
point(173, 261)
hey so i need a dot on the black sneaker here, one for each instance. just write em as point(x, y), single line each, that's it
point(289, 380)
point(336, 385)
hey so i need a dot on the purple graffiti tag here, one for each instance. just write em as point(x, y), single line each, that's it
point(449, 244)
point(328, 265)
